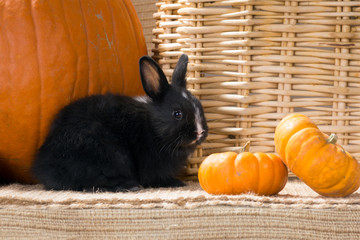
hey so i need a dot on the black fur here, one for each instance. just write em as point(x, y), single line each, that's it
point(116, 143)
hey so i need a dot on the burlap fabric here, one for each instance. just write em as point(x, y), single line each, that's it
point(29, 212)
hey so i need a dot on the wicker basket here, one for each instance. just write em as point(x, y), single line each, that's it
point(253, 61)
point(145, 10)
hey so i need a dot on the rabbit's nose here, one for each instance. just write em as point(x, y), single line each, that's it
point(200, 134)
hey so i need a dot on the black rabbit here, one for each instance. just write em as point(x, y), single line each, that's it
point(118, 143)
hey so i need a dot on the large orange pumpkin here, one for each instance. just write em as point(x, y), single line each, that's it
point(232, 173)
point(53, 52)
point(315, 157)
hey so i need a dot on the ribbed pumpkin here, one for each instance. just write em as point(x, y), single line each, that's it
point(53, 52)
point(233, 173)
point(315, 157)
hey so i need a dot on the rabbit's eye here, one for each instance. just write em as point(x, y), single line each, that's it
point(177, 115)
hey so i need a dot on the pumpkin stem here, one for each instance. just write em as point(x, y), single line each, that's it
point(332, 138)
point(245, 148)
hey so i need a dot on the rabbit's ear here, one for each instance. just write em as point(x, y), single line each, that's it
point(179, 74)
point(153, 78)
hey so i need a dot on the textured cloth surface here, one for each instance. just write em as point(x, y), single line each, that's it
point(295, 195)
point(29, 212)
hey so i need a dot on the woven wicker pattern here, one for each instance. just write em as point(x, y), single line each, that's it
point(145, 10)
point(254, 61)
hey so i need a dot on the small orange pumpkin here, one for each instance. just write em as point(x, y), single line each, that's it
point(54, 52)
point(315, 157)
point(232, 173)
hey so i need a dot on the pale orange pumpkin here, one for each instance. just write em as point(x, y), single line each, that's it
point(315, 157)
point(233, 173)
point(53, 52)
